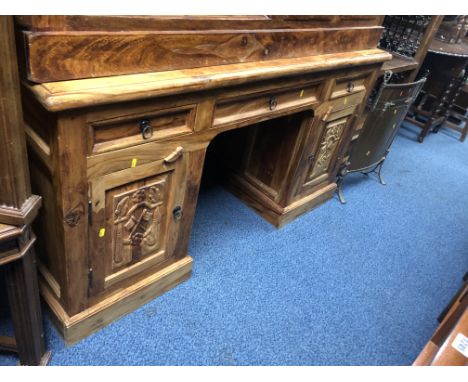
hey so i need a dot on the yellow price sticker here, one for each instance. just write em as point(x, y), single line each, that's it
point(302, 93)
point(102, 232)
point(134, 162)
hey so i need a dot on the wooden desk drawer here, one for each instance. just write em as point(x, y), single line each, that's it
point(348, 86)
point(129, 130)
point(256, 106)
point(347, 101)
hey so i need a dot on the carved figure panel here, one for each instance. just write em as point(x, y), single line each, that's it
point(326, 149)
point(137, 222)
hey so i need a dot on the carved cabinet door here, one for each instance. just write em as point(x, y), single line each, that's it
point(321, 153)
point(134, 221)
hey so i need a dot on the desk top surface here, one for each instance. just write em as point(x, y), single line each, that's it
point(64, 95)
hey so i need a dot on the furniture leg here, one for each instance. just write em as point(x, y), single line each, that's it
point(464, 133)
point(23, 296)
point(424, 131)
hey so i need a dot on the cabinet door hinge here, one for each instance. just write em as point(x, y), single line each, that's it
point(90, 212)
point(90, 278)
point(90, 204)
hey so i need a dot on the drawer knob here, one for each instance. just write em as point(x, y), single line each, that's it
point(272, 103)
point(146, 129)
point(177, 213)
point(350, 87)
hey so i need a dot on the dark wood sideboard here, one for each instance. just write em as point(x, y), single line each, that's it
point(120, 112)
point(18, 208)
point(447, 64)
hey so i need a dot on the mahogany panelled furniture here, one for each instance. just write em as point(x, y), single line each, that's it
point(447, 63)
point(18, 208)
point(120, 112)
point(448, 345)
point(387, 110)
point(458, 113)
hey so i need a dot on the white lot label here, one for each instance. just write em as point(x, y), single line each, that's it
point(461, 344)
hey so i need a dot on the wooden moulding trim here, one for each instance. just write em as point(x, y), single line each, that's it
point(306, 204)
point(49, 279)
point(133, 269)
point(250, 189)
point(8, 232)
point(309, 198)
point(121, 302)
point(41, 147)
point(245, 186)
point(64, 95)
point(278, 216)
point(399, 64)
point(23, 216)
point(20, 253)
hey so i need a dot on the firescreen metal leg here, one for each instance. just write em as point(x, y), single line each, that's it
point(339, 190)
point(379, 173)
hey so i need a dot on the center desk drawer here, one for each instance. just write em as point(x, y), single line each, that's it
point(129, 130)
point(348, 92)
point(348, 86)
point(257, 106)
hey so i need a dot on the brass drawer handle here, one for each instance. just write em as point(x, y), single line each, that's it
point(272, 103)
point(146, 129)
point(176, 154)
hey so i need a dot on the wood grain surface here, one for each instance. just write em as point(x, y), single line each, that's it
point(57, 96)
point(57, 56)
point(199, 22)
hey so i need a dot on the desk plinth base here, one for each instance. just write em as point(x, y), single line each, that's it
point(120, 303)
point(271, 211)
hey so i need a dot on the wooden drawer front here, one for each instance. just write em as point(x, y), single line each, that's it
point(133, 221)
point(347, 86)
point(347, 101)
point(257, 106)
point(129, 130)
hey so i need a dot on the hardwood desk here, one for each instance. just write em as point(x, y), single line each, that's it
point(118, 159)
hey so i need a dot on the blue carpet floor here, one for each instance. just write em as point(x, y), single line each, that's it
point(359, 284)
